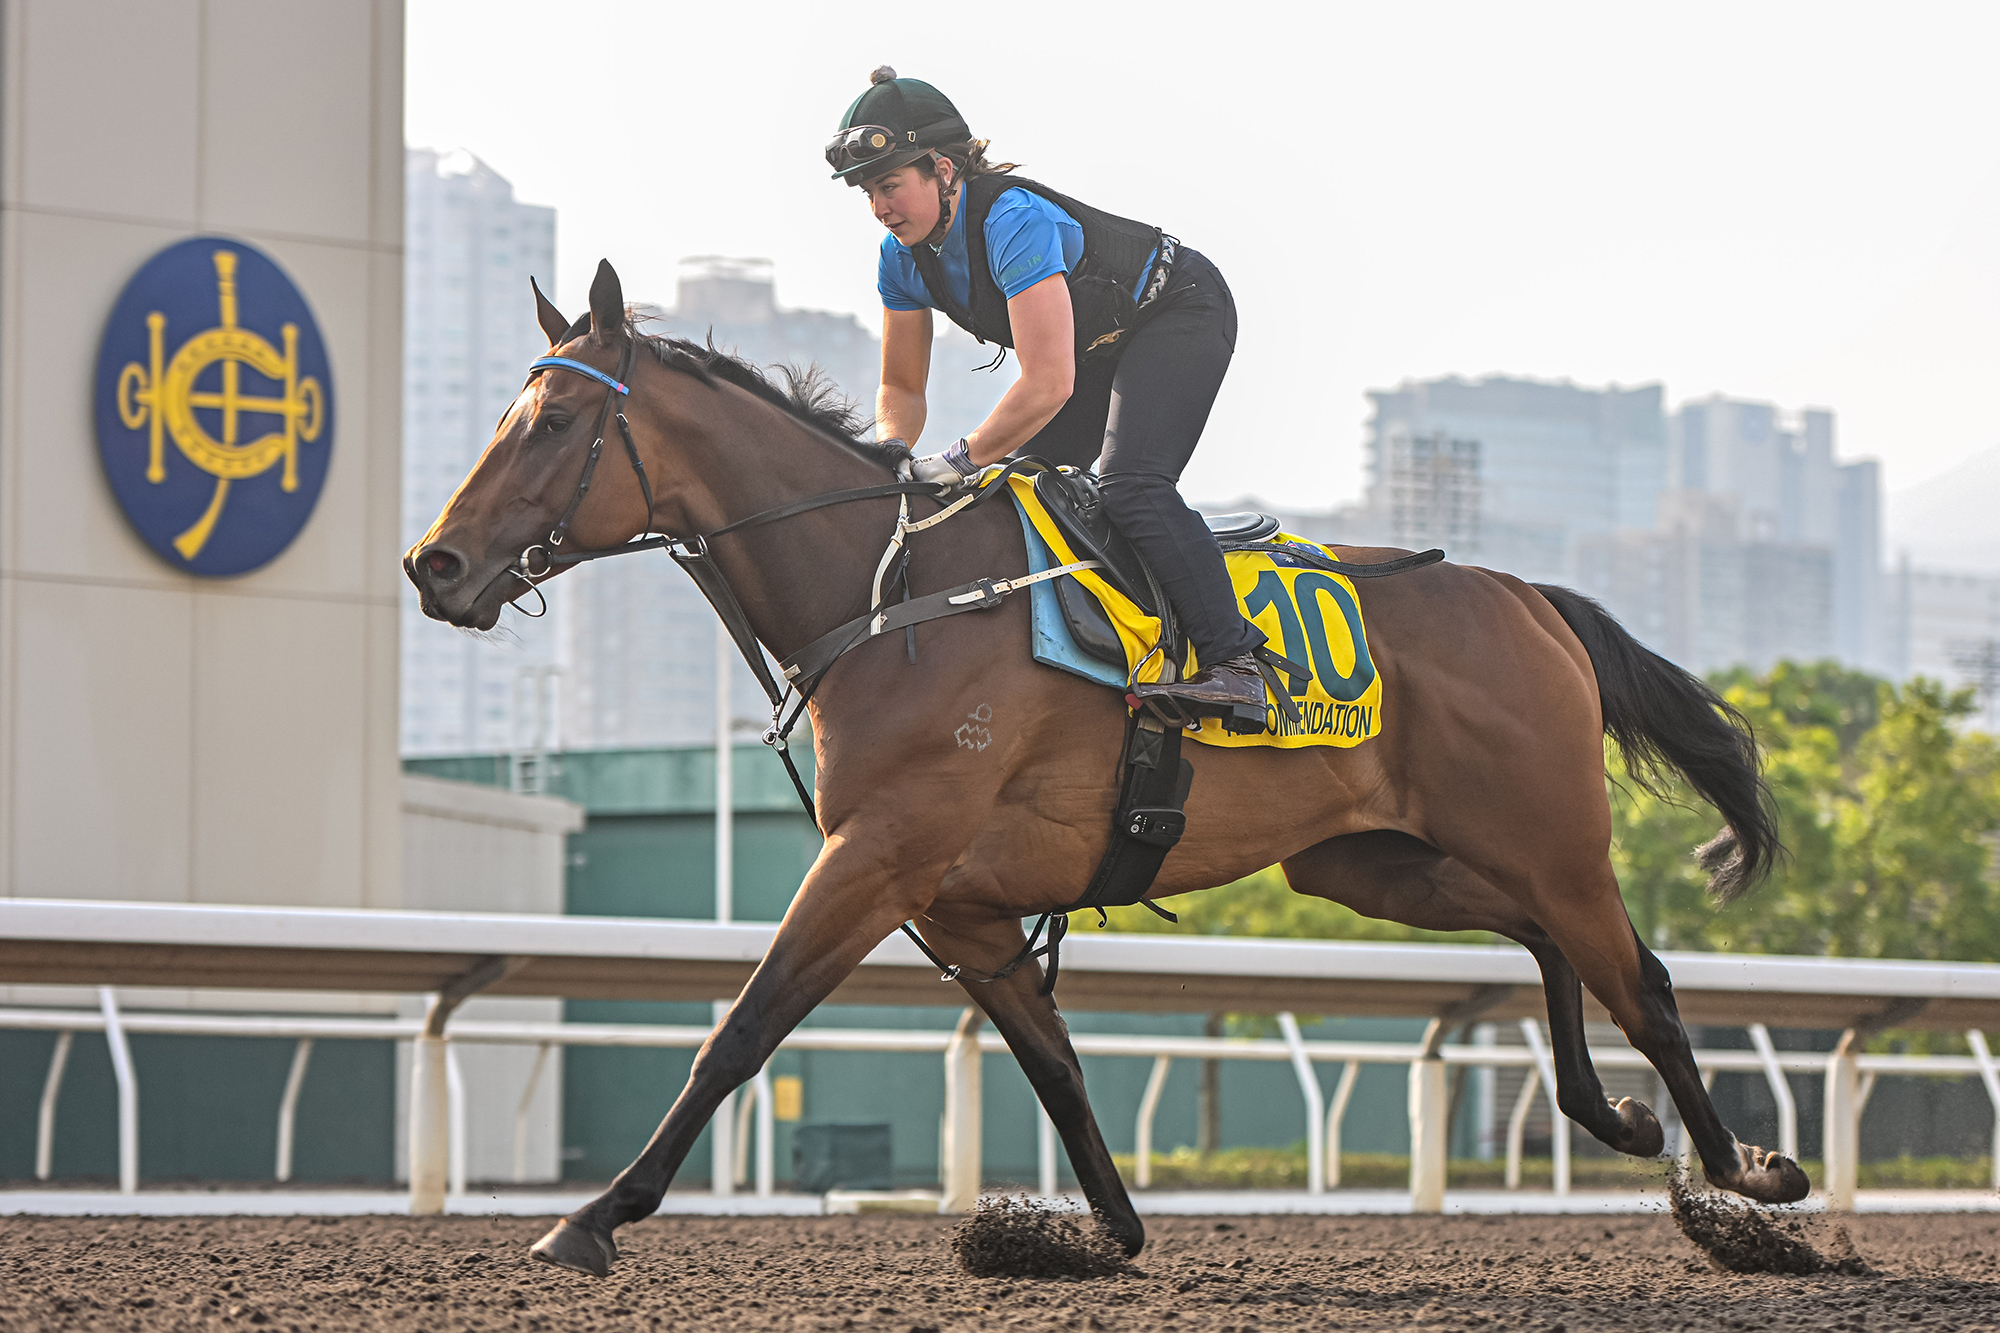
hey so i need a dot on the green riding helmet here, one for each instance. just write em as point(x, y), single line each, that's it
point(894, 123)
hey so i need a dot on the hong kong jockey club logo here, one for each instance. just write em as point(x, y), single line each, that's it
point(214, 406)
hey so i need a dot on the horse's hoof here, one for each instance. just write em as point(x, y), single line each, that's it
point(1639, 1132)
point(1129, 1232)
point(1766, 1177)
point(576, 1248)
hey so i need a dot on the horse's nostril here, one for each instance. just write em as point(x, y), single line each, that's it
point(441, 563)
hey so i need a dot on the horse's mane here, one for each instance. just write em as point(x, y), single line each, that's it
point(807, 394)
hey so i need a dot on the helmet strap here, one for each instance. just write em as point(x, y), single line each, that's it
point(943, 228)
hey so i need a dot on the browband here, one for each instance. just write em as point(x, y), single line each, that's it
point(580, 368)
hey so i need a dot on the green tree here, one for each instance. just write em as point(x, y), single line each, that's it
point(1887, 810)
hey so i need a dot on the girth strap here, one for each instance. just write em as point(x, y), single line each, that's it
point(1146, 823)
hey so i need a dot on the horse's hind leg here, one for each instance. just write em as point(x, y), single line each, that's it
point(1036, 1034)
point(1585, 916)
point(1628, 1125)
point(1395, 877)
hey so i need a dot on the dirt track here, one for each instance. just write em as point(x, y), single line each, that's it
point(895, 1273)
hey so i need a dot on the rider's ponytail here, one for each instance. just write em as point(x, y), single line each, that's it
point(969, 156)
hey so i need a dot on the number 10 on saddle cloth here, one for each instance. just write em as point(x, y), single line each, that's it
point(1311, 615)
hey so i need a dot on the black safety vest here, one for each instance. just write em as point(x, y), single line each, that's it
point(1117, 253)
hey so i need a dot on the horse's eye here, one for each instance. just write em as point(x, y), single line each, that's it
point(555, 425)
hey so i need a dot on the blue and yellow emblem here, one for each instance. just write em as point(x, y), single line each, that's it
point(214, 406)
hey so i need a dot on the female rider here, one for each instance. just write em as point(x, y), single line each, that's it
point(1123, 335)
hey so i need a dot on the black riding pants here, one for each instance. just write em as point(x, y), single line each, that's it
point(1138, 416)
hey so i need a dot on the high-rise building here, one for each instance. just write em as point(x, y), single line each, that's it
point(1430, 491)
point(1699, 594)
point(1790, 489)
point(639, 640)
point(1948, 628)
point(469, 332)
point(1556, 461)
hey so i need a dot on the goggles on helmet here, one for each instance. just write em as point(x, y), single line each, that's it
point(866, 144)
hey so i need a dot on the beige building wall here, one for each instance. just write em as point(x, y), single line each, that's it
point(165, 737)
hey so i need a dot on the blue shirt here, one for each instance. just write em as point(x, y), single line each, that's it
point(1027, 239)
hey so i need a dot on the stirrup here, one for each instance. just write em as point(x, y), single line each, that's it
point(1237, 719)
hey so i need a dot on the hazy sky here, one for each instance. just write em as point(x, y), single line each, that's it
point(1791, 202)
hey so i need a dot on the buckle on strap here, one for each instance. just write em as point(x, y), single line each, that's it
point(983, 595)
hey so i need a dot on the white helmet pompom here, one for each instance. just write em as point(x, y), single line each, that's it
point(881, 74)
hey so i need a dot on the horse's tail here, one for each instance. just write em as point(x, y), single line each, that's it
point(1665, 718)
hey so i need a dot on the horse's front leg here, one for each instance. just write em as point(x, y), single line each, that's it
point(855, 894)
point(1038, 1037)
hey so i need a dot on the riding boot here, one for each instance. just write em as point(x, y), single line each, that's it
point(1222, 688)
point(1175, 542)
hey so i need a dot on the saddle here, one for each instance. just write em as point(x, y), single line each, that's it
point(1075, 502)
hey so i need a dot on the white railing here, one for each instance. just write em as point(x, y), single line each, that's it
point(960, 1167)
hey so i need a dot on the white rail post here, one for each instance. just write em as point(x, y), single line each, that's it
point(1142, 1133)
point(432, 1121)
point(1315, 1108)
point(1781, 1091)
point(1517, 1126)
point(962, 1156)
point(288, 1107)
point(521, 1114)
point(746, 1110)
point(430, 1126)
point(1989, 1074)
point(45, 1122)
point(128, 1092)
point(1558, 1122)
point(1841, 1135)
point(1045, 1153)
point(454, 1086)
point(1343, 1093)
point(767, 1135)
point(1430, 1109)
point(756, 1103)
point(722, 1125)
point(725, 788)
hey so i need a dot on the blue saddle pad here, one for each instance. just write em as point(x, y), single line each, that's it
point(1050, 640)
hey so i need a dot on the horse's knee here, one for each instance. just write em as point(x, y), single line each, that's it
point(730, 1057)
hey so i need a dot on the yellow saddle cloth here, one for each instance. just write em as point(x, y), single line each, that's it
point(1311, 615)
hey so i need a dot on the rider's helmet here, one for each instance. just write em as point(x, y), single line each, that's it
point(894, 123)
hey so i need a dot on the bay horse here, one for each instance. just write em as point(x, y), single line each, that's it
point(1481, 806)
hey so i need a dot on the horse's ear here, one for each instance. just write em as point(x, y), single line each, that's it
point(607, 303)
point(553, 321)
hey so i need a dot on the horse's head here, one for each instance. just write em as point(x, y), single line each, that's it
point(471, 562)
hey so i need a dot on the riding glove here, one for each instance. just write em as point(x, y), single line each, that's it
point(950, 469)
